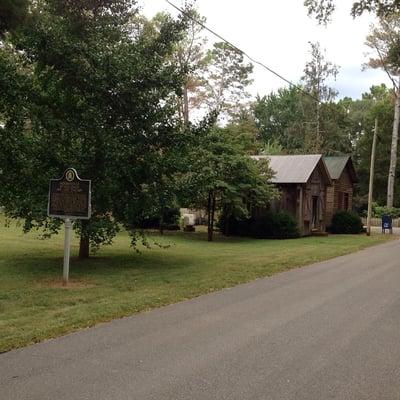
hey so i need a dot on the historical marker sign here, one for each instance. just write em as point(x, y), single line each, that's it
point(69, 197)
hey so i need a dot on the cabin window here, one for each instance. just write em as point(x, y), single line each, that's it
point(343, 201)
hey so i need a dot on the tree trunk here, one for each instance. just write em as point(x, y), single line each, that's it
point(226, 227)
point(318, 138)
point(84, 247)
point(212, 216)
point(84, 241)
point(209, 230)
point(211, 219)
point(161, 226)
point(393, 151)
point(185, 106)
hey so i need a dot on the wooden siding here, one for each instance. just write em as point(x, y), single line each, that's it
point(297, 200)
point(306, 201)
point(339, 195)
point(315, 190)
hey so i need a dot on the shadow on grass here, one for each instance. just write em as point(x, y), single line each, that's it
point(180, 252)
point(198, 236)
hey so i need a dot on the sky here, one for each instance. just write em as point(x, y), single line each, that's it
point(278, 32)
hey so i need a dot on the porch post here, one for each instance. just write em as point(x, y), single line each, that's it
point(300, 213)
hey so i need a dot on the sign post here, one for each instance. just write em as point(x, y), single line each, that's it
point(371, 178)
point(69, 199)
point(67, 247)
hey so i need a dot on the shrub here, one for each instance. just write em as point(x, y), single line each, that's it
point(172, 227)
point(170, 220)
point(347, 222)
point(378, 211)
point(273, 225)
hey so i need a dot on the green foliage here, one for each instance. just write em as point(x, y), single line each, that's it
point(379, 7)
point(379, 211)
point(280, 118)
point(316, 73)
point(322, 10)
point(83, 84)
point(101, 230)
point(378, 102)
point(244, 131)
point(170, 218)
point(287, 118)
point(12, 14)
point(305, 119)
point(346, 222)
point(222, 177)
point(384, 42)
point(215, 79)
point(226, 79)
point(273, 147)
point(189, 54)
point(273, 225)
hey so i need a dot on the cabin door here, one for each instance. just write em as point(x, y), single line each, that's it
point(315, 213)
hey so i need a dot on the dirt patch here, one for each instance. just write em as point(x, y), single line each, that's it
point(72, 284)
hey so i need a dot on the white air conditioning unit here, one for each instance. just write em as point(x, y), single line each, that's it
point(189, 219)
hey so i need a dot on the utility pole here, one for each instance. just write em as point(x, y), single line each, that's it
point(371, 178)
point(393, 151)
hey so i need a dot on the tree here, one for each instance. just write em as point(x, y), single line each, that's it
point(225, 80)
point(215, 80)
point(286, 121)
point(305, 118)
point(378, 102)
point(84, 86)
point(189, 54)
point(273, 148)
point(322, 10)
point(223, 179)
point(316, 73)
point(12, 14)
point(280, 118)
point(243, 130)
point(384, 39)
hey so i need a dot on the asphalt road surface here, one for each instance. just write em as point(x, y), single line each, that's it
point(327, 331)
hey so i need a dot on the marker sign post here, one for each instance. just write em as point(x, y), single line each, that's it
point(69, 199)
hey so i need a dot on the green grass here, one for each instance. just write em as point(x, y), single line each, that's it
point(119, 282)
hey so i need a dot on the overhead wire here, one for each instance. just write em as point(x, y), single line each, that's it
point(253, 60)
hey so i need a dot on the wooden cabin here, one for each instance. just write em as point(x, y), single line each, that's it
point(303, 181)
point(340, 194)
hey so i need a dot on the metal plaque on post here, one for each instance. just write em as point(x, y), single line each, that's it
point(69, 199)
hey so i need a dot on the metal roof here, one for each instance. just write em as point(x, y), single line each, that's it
point(337, 164)
point(293, 168)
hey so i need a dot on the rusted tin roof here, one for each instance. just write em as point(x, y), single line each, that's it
point(337, 164)
point(294, 168)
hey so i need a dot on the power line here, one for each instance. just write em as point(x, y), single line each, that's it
point(253, 60)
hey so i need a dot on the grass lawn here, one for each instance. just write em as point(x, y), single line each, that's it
point(119, 282)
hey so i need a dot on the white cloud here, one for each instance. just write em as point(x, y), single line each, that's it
point(277, 33)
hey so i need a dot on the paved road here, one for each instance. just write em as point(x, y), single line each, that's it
point(328, 331)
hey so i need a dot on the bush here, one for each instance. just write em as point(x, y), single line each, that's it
point(347, 222)
point(274, 225)
point(170, 220)
point(172, 227)
point(379, 211)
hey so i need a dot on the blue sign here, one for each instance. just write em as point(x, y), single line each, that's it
point(386, 223)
